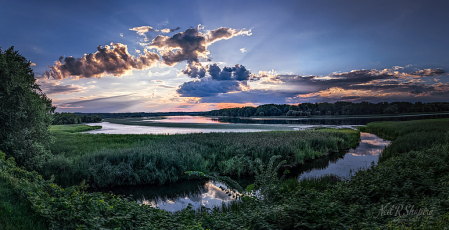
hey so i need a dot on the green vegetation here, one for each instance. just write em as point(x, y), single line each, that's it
point(337, 108)
point(70, 118)
point(417, 178)
point(69, 142)
point(159, 159)
point(66, 129)
point(410, 135)
point(25, 112)
point(16, 213)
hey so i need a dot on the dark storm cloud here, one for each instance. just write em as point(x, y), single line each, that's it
point(237, 72)
point(194, 70)
point(228, 73)
point(207, 88)
point(191, 44)
point(228, 79)
point(113, 59)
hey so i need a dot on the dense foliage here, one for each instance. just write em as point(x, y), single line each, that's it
point(25, 112)
point(338, 108)
point(164, 158)
point(71, 118)
point(414, 180)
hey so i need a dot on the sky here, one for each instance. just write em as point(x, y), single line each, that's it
point(160, 56)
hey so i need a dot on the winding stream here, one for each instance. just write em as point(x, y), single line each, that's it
point(208, 194)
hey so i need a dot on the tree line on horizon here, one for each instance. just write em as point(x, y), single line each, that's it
point(331, 109)
point(70, 118)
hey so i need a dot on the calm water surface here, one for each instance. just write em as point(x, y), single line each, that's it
point(193, 124)
point(365, 155)
point(111, 128)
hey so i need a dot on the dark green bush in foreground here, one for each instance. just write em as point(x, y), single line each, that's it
point(417, 178)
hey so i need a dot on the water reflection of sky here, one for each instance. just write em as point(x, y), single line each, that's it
point(111, 128)
point(211, 196)
point(363, 156)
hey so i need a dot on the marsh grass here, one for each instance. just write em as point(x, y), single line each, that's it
point(115, 160)
point(409, 135)
point(75, 128)
point(69, 142)
point(320, 183)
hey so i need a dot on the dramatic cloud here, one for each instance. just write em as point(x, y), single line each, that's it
point(207, 88)
point(237, 72)
point(194, 70)
point(228, 79)
point(356, 85)
point(191, 45)
point(113, 59)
